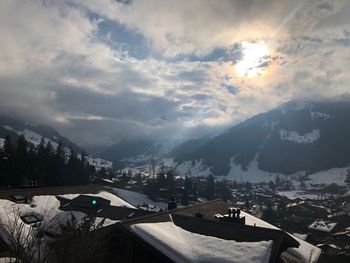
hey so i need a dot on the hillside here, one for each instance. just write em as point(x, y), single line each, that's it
point(308, 136)
point(35, 132)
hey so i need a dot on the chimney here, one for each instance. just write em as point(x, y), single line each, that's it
point(233, 216)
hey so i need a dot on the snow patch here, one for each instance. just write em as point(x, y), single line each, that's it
point(295, 137)
point(138, 159)
point(252, 174)
point(320, 115)
point(99, 163)
point(195, 168)
point(9, 128)
point(334, 175)
point(295, 194)
point(2, 142)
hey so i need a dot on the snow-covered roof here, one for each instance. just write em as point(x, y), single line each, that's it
point(322, 225)
point(183, 246)
point(135, 199)
point(48, 206)
point(304, 253)
point(115, 200)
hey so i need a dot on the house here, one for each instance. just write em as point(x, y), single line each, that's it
point(167, 237)
point(101, 207)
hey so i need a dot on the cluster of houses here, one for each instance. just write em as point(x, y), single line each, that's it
point(323, 222)
point(213, 231)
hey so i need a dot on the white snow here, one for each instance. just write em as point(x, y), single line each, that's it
point(31, 136)
point(2, 142)
point(320, 115)
point(115, 200)
point(183, 246)
point(48, 207)
point(304, 253)
point(321, 225)
point(295, 194)
point(188, 168)
point(9, 128)
point(135, 199)
point(138, 159)
point(301, 236)
point(99, 163)
point(295, 137)
point(252, 174)
point(9, 260)
point(334, 175)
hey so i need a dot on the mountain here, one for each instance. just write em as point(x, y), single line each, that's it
point(133, 151)
point(297, 136)
point(33, 132)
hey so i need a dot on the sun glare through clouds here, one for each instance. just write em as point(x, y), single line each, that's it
point(254, 59)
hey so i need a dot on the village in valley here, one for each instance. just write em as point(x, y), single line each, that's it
point(138, 209)
point(87, 209)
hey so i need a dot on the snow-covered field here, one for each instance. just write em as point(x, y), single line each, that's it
point(253, 174)
point(297, 194)
point(99, 163)
point(183, 246)
point(334, 175)
point(196, 168)
point(135, 199)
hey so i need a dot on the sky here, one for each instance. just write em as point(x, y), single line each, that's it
point(104, 71)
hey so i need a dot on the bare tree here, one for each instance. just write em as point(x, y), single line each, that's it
point(23, 240)
point(54, 239)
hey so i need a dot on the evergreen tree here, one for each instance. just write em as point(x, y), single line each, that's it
point(347, 179)
point(161, 181)
point(59, 165)
point(6, 158)
point(184, 199)
point(22, 163)
point(188, 185)
point(278, 181)
point(209, 192)
point(223, 190)
point(269, 214)
point(170, 181)
point(20, 158)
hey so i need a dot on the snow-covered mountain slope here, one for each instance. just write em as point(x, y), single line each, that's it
point(34, 133)
point(139, 151)
point(306, 137)
point(294, 139)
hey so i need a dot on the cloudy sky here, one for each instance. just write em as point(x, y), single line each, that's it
point(101, 71)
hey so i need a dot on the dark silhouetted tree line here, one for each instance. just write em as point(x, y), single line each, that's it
point(23, 164)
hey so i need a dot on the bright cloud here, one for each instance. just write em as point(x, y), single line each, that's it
point(115, 70)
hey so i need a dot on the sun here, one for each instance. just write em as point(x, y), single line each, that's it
point(255, 58)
